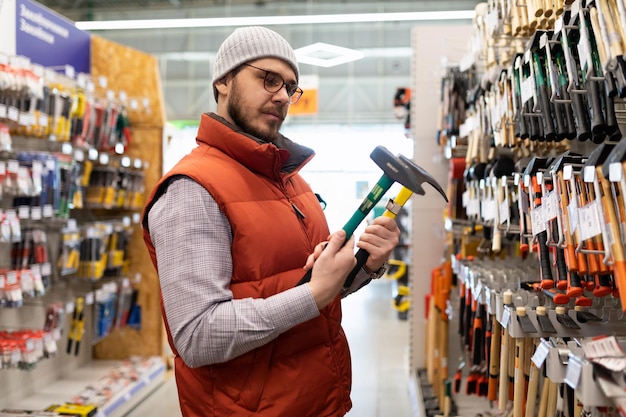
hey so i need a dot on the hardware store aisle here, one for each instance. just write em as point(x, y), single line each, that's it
point(379, 345)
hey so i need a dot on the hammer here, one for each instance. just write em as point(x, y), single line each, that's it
point(395, 205)
point(395, 170)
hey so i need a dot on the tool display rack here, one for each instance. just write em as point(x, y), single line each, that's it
point(528, 306)
point(105, 206)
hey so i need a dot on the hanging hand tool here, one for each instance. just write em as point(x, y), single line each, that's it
point(543, 103)
point(614, 46)
point(591, 74)
point(575, 262)
point(76, 326)
point(533, 380)
point(529, 100)
point(612, 170)
point(605, 212)
point(558, 85)
point(593, 242)
point(505, 383)
point(494, 359)
point(610, 82)
point(520, 383)
point(568, 36)
point(534, 169)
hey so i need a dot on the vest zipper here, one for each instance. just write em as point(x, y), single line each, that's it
point(299, 212)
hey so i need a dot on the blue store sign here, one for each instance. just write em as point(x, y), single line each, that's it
point(50, 39)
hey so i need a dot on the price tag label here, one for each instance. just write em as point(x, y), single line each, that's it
point(488, 210)
point(11, 278)
point(506, 317)
point(48, 211)
point(43, 120)
point(13, 114)
point(616, 172)
point(583, 46)
point(537, 220)
point(89, 298)
point(550, 203)
point(23, 212)
point(465, 198)
point(504, 212)
point(541, 354)
point(528, 89)
point(573, 371)
point(35, 213)
point(589, 221)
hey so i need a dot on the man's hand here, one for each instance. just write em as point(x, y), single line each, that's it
point(331, 262)
point(379, 239)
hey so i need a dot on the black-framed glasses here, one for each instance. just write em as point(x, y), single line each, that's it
point(273, 82)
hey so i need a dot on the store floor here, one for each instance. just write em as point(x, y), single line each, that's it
point(379, 345)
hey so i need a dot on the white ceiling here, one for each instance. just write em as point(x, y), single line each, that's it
point(356, 92)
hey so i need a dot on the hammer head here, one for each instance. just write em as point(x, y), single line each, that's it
point(394, 168)
point(423, 176)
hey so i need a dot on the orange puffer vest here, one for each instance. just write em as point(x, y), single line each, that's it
point(305, 372)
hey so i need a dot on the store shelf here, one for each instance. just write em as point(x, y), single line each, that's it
point(117, 405)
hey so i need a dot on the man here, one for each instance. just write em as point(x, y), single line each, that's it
point(231, 229)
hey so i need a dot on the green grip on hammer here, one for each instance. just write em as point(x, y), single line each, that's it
point(374, 196)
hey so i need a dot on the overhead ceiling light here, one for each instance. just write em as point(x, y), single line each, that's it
point(273, 20)
point(326, 55)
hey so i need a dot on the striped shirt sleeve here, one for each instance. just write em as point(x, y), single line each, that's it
point(192, 239)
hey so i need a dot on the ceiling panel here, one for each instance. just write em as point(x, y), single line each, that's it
point(357, 92)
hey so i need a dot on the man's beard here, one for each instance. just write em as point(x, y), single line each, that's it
point(236, 112)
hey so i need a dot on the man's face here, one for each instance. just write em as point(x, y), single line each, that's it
point(250, 106)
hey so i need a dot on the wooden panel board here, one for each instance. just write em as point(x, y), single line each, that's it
point(136, 73)
point(133, 72)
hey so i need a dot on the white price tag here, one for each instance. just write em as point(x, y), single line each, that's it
point(11, 278)
point(35, 213)
point(573, 371)
point(504, 212)
point(48, 211)
point(89, 298)
point(541, 354)
point(43, 119)
point(589, 221)
point(550, 203)
point(473, 207)
point(465, 198)
point(13, 114)
point(488, 210)
point(616, 172)
point(23, 212)
point(528, 89)
point(537, 220)
point(506, 317)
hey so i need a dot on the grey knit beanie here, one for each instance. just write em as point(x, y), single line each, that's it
point(249, 43)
